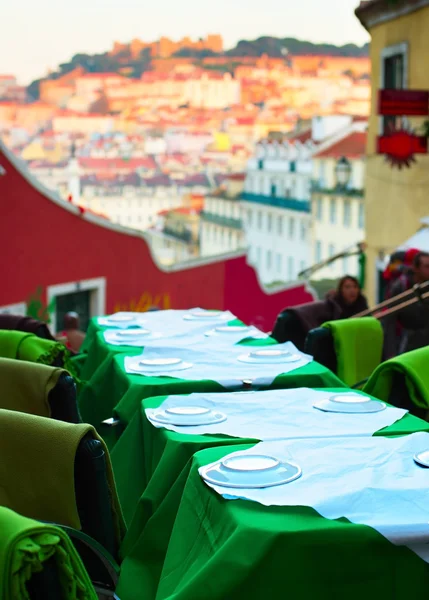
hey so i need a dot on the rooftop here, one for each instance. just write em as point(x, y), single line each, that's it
point(373, 12)
point(352, 146)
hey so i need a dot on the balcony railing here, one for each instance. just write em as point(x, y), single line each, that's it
point(337, 191)
point(289, 203)
point(183, 236)
point(221, 220)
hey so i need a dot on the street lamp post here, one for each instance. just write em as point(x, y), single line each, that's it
point(343, 171)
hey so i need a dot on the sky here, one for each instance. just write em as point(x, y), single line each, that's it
point(38, 35)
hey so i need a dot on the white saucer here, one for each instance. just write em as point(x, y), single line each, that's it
point(135, 335)
point(120, 318)
point(188, 416)
point(250, 471)
point(350, 403)
point(202, 315)
point(159, 365)
point(268, 356)
point(225, 330)
point(422, 458)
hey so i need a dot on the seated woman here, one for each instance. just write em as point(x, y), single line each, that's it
point(293, 324)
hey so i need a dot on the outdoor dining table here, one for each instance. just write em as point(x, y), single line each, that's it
point(112, 392)
point(152, 466)
point(220, 549)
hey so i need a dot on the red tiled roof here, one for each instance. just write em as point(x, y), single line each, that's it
point(237, 177)
point(302, 137)
point(117, 163)
point(353, 146)
point(100, 76)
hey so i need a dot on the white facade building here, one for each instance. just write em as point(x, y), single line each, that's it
point(213, 91)
point(338, 200)
point(276, 207)
point(221, 228)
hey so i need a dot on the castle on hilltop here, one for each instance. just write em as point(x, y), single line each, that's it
point(164, 47)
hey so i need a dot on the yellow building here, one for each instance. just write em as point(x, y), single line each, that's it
point(395, 199)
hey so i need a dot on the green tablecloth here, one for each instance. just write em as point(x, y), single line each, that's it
point(222, 549)
point(151, 468)
point(113, 391)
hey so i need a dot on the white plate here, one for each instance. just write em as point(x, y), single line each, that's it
point(269, 357)
point(350, 403)
point(202, 315)
point(188, 416)
point(249, 471)
point(126, 333)
point(121, 318)
point(226, 330)
point(422, 458)
point(159, 365)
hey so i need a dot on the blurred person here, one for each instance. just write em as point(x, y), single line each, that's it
point(71, 335)
point(408, 328)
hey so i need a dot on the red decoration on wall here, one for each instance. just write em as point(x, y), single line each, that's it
point(403, 103)
point(400, 146)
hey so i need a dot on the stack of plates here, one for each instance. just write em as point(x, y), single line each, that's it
point(159, 366)
point(350, 403)
point(135, 335)
point(202, 315)
point(268, 356)
point(250, 471)
point(188, 416)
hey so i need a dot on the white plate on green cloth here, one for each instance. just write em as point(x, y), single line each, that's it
point(188, 416)
point(350, 403)
point(159, 366)
point(269, 356)
point(250, 471)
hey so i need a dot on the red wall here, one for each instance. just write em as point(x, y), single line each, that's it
point(42, 244)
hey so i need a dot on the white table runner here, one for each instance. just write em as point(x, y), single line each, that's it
point(371, 481)
point(277, 414)
point(172, 322)
point(221, 366)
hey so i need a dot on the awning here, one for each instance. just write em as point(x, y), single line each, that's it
point(419, 240)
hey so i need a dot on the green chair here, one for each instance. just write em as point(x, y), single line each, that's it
point(38, 390)
point(38, 561)
point(61, 473)
point(404, 382)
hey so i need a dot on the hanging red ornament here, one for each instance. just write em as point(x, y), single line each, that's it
point(400, 147)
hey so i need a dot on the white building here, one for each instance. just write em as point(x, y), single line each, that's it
point(338, 200)
point(276, 207)
point(213, 91)
point(221, 228)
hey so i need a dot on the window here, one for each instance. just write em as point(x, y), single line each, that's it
point(269, 259)
point(318, 252)
point(394, 76)
point(332, 211)
point(319, 209)
point(292, 166)
point(260, 164)
point(269, 222)
point(249, 217)
point(290, 265)
point(347, 213)
point(259, 220)
point(280, 226)
point(273, 190)
point(291, 227)
point(361, 216)
point(279, 263)
point(230, 239)
point(303, 231)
